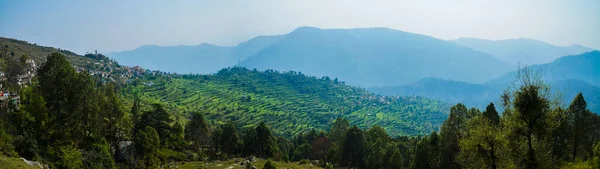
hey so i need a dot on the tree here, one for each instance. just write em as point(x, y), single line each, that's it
point(70, 157)
point(286, 147)
point(491, 114)
point(229, 141)
point(114, 124)
point(147, 145)
point(452, 130)
point(176, 138)
point(99, 156)
point(269, 165)
point(482, 145)
point(580, 128)
point(596, 158)
point(527, 108)
point(55, 78)
point(338, 129)
point(6, 147)
point(197, 131)
point(376, 142)
point(23, 59)
point(353, 148)
point(265, 143)
point(159, 119)
point(320, 147)
point(392, 157)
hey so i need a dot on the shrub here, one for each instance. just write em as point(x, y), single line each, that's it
point(269, 165)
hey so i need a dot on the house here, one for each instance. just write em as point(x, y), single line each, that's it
point(7, 99)
point(21, 79)
point(31, 67)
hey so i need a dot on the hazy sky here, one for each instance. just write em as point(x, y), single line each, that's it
point(115, 25)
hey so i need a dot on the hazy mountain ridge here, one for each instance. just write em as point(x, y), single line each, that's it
point(585, 67)
point(521, 51)
point(204, 58)
point(375, 57)
point(567, 76)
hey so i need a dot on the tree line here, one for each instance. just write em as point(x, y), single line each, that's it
point(72, 120)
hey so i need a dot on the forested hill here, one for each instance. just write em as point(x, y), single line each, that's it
point(290, 102)
point(18, 48)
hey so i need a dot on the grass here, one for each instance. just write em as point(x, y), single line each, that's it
point(231, 164)
point(13, 163)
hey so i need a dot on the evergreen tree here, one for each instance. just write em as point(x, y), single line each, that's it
point(229, 141)
point(159, 119)
point(353, 148)
point(376, 142)
point(197, 131)
point(491, 114)
point(147, 145)
point(338, 129)
point(265, 143)
point(580, 128)
point(452, 131)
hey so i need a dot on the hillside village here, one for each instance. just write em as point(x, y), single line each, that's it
point(18, 68)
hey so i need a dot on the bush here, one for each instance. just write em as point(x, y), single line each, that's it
point(98, 156)
point(6, 147)
point(70, 157)
point(172, 155)
point(304, 161)
point(269, 165)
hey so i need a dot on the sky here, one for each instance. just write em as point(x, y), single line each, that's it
point(117, 25)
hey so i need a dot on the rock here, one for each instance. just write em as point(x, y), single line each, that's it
point(34, 163)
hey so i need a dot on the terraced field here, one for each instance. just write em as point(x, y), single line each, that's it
point(289, 102)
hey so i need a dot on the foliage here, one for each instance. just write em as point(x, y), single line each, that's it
point(269, 165)
point(147, 145)
point(290, 102)
point(70, 157)
point(197, 131)
point(353, 148)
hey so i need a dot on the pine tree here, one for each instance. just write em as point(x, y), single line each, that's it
point(491, 114)
point(197, 131)
point(353, 148)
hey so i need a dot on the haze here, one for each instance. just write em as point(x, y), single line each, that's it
point(85, 26)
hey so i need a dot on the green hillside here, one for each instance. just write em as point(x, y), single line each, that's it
point(38, 53)
point(290, 102)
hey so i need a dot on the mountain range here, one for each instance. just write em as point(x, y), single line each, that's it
point(392, 62)
point(362, 56)
point(521, 51)
point(204, 58)
point(567, 76)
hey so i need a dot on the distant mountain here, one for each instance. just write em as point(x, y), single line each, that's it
point(584, 67)
point(204, 58)
point(480, 95)
point(521, 51)
point(473, 95)
point(375, 57)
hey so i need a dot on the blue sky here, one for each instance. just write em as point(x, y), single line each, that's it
point(115, 25)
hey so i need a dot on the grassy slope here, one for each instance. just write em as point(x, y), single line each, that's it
point(231, 164)
point(290, 103)
point(13, 163)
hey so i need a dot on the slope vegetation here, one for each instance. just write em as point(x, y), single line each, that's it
point(290, 102)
